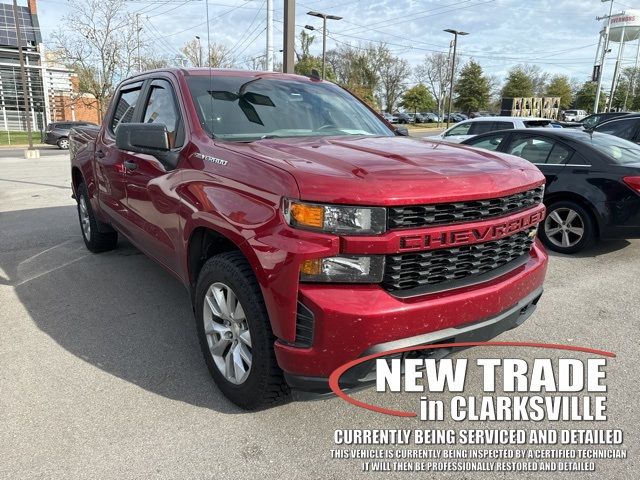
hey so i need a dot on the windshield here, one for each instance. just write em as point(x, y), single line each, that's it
point(617, 149)
point(246, 109)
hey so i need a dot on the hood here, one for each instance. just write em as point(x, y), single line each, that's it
point(392, 170)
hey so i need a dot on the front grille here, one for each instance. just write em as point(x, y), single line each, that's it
point(446, 213)
point(449, 268)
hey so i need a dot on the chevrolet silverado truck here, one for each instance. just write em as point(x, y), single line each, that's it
point(306, 230)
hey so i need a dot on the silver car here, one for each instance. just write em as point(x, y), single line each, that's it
point(475, 126)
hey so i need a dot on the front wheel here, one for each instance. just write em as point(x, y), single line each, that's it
point(235, 334)
point(568, 227)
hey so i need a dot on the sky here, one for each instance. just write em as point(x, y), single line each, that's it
point(560, 36)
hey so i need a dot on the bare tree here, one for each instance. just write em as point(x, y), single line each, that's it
point(393, 72)
point(539, 78)
point(356, 68)
point(98, 40)
point(219, 55)
point(435, 73)
point(149, 61)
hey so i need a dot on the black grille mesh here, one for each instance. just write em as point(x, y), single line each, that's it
point(447, 213)
point(444, 267)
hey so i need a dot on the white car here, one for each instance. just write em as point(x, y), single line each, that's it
point(574, 115)
point(475, 126)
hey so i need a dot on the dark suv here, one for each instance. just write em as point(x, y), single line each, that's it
point(57, 133)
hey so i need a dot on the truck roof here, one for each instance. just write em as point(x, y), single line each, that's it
point(229, 72)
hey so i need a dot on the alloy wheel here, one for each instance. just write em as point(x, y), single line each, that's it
point(85, 222)
point(564, 227)
point(63, 143)
point(227, 332)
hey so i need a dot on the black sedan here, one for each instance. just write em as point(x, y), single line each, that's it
point(593, 182)
point(595, 119)
point(57, 133)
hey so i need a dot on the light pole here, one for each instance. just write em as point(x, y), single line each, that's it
point(453, 67)
point(199, 51)
point(324, 18)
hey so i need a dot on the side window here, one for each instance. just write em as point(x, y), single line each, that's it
point(125, 107)
point(502, 125)
point(534, 149)
point(621, 128)
point(559, 154)
point(161, 108)
point(488, 143)
point(481, 127)
point(462, 129)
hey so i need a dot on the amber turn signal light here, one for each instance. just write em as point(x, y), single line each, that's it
point(307, 215)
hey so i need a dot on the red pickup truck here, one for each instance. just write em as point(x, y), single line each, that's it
point(306, 229)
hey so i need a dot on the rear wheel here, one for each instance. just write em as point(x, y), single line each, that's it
point(63, 143)
point(95, 240)
point(568, 227)
point(235, 334)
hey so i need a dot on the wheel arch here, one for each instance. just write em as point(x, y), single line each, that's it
point(76, 179)
point(205, 242)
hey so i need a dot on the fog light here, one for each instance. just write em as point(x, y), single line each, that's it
point(346, 269)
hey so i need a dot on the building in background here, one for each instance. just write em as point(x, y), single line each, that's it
point(12, 114)
point(52, 88)
point(65, 103)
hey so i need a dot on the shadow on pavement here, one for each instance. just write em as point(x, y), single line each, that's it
point(599, 247)
point(118, 311)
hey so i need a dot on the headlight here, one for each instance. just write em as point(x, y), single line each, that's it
point(335, 218)
point(348, 269)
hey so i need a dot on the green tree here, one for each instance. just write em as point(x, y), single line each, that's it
point(518, 84)
point(307, 63)
point(586, 96)
point(621, 95)
point(473, 91)
point(417, 99)
point(559, 86)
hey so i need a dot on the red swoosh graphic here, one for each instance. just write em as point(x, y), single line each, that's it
point(334, 379)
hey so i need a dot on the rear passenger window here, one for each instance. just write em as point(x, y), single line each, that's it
point(478, 128)
point(620, 128)
point(502, 125)
point(558, 155)
point(536, 150)
point(125, 107)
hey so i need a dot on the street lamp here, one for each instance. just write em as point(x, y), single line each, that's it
point(324, 18)
point(453, 67)
point(199, 51)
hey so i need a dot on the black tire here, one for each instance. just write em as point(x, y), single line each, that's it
point(583, 217)
point(95, 240)
point(265, 385)
point(63, 143)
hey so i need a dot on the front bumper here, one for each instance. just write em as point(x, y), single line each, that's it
point(350, 320)
point(364, 373)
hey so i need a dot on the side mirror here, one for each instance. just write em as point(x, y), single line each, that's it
point(149, 138)
point(402, 131)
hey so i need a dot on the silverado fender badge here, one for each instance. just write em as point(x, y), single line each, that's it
point(208, 158)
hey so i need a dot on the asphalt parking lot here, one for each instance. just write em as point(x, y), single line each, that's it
point(101, 375)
